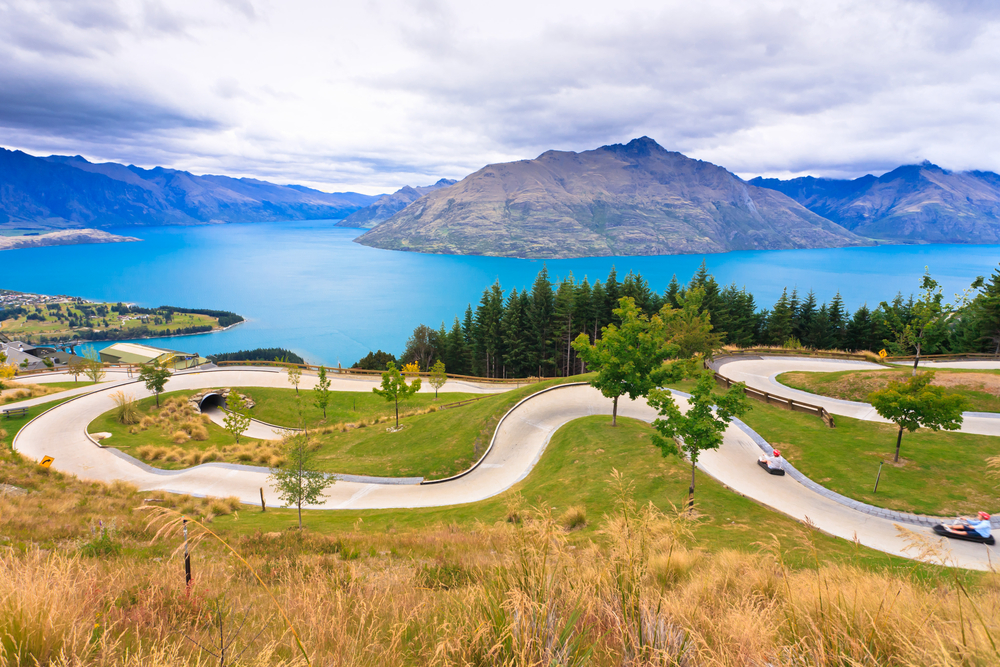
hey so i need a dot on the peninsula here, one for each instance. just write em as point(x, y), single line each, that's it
point(43, 319)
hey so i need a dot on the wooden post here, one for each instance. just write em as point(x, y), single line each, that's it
point(263, 507)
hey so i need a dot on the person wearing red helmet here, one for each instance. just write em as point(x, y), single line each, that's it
point(965, 526)
point(773, 462)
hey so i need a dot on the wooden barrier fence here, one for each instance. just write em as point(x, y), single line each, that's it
point(780, 401)
point(338, 370)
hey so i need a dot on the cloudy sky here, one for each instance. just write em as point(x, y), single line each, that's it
point(372, 95)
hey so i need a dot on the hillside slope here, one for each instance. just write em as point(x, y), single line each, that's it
point(919, 203)
point(389, 205)
point(633, 199)
point(70, 192)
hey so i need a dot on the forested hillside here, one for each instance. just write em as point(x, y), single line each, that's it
point(528, 333)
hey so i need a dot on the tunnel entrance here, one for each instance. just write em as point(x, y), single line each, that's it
point(212, 401)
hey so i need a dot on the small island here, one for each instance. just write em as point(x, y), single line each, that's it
point(43, 319)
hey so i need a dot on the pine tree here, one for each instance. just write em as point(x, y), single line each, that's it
point(859, 331)
point(612, 292)
point(672, 295)
point(779, 322)
point(837, 323)
point(804, 321)
point(540, 316)
point(512, 326)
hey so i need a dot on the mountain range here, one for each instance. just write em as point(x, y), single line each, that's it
point(387, 206)
point(914, 203)
point(58, 192)
point(623, 199)
point(632, 199)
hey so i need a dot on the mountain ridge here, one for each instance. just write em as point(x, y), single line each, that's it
point(621, 199)
point(911, 203)
point(61, 192)
point(388, 205)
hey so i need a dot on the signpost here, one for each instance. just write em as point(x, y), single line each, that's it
point(46, 461)
point(882, 353)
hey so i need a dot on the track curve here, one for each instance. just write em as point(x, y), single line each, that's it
point(519, 442)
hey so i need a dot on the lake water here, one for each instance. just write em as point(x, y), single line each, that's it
point(306, 287)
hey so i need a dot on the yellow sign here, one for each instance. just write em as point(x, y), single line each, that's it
point(883, 354)
point(46, 461)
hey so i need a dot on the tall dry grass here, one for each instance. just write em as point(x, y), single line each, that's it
point(519, 593)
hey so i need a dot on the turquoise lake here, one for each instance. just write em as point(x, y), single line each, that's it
point(306, 287)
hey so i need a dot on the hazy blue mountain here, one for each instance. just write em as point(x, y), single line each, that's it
point(919, 203)
point(389, 205)
point(633, 199)
point(70, 192)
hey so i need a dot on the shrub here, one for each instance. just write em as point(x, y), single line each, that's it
point(126, 410)
point(145, 452)
point(180, 437)
point(199, 433)
point(574, 517)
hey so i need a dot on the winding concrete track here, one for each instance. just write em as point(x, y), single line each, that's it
point(519, 442)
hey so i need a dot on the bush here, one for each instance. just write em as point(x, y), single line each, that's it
point(180, 437)
point(575, 517)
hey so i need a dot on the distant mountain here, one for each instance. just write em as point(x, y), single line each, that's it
point(70, 192)
point(633, 199)
point(388, 205)
point(918, 203)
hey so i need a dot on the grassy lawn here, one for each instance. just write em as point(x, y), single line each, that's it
point(980, 387)
point(157, 438)
point(23, 390)
point(576, 472)
point(433, 444)
point(942, 474)
point(280, 406)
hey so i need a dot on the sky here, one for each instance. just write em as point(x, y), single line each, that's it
point(372, 95)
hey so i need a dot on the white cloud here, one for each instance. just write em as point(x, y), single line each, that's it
point(371, 96)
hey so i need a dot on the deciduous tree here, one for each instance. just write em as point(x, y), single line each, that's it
point(155, 377)
point(296, 480)
point(395, 389)
point(916, 403)
point(322, 391)
point(93, 367)
point(701, 428)
point(294, 376)
point(237, 419)
point(438, 377)
point(628, 359)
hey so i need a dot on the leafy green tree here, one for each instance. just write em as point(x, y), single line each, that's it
point(296, 480)
point(916, 403)
point(322, 391)
point(701, 428)
point(690, 327)
point(237, 418)
point(294, 377)
point(93, 367)
point(628, 359)
point(395, 389)
point(438, 377)
point(76, 367)
point(155, 377)
point(924, 328)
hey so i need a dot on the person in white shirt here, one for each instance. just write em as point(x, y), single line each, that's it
point(773, 462)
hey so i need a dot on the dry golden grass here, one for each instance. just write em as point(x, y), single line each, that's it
point(16, 391)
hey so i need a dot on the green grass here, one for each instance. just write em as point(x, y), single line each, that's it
point(431, 445)
point(980, 387)
point(575, 470)
point(940, 473)
point(162, 436)
point(68, 385)
point(281, 407)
